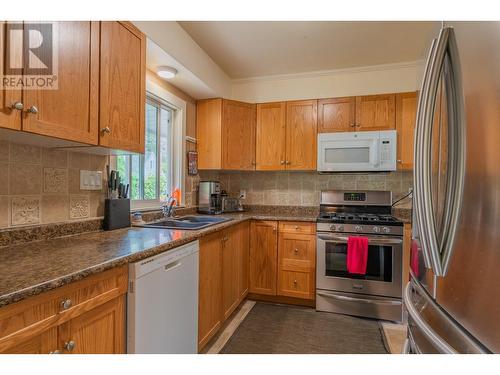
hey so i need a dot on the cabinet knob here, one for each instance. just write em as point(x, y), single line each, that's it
point(33, 110)
point(296, 251)
point(399, 160)
point(106, 130)
point(69, 346)
point(296, 227)
point(18, 105)
point(274, 229)
point(294, 282)
point(287, 162)
point(282, 162)
point(253, 162)
point(352, 125)
point(66, 304)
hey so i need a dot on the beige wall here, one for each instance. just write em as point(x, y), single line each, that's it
point(336, 83)
point(303, 188)
point(42, 185)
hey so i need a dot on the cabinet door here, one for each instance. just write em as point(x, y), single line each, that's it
point(376, 112)
point(336, 115)
point(243, 259)
point(296, 265)
point(270, 144)
point(301, 126)
point(263, 257)
point(122, 86)
point(9, 117)
point(406, 113)
point(71, 111)
point(98, 331)
point(209, 133)
point(230, 270)
point(42, 343)
point(210, 288)
point(238, 135)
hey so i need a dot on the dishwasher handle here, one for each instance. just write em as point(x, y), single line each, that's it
point(173, 265)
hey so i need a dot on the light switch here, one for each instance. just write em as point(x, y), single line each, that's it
point(90, 180)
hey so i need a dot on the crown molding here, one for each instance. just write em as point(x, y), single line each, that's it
point(322, 73)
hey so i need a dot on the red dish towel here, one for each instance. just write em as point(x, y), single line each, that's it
point(357, 255)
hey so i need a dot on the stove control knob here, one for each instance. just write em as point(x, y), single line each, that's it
point(358, 228)
point(376, 229)
point(332, 227)
point(340, 228)
point(386, 230)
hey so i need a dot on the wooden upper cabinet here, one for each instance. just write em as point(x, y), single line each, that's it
point(209, 133)
point(406, 114)
point(238, 135)
point(336, 115)
point(71, 111)
point(225, 132)
point(263, 257)
point(270, 136)
point(301, 134)
point(122, 86)
point(376, 112)
point(9, 117)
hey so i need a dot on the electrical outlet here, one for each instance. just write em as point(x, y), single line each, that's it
point(90, 180)
point(243, 194)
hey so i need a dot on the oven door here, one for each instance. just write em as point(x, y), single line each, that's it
point(348, 151)
point(384, 268)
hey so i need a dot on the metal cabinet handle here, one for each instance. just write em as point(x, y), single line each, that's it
point(70, 345)
point(18, 105)
point(33, 110)
point(66, 304)
point(106, 130)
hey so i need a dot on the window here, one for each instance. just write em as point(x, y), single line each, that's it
point(151, 176)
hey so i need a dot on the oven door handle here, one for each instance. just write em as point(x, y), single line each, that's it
point(353, 299)
point(371, 239)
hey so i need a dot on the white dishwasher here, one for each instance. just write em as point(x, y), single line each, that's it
point(162, 302)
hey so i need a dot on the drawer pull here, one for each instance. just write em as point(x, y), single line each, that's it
point(296, 227)
point(69, 346)
point(294, 282)
point(296, 251)
point(66, 304)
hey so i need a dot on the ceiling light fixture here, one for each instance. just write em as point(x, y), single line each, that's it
point(166, 72)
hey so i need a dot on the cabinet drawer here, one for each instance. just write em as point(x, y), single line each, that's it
point(34, 315)
point(295, 284)
point(297, 227)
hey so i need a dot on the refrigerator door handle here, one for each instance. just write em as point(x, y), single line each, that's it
point(419, 152)
point(440, 249)
point(426, 330)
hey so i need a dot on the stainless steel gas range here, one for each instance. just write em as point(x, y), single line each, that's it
point(378, 293)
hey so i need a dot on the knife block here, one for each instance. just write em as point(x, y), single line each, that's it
point(116, 213)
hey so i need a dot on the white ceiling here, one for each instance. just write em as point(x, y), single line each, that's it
point(253, 49)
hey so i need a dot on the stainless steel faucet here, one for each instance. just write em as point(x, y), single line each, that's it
point(168, 208)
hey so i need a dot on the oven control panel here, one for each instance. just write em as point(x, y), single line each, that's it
point(358, 228)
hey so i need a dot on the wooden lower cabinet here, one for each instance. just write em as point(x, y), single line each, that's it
point(98, 331)
point(85, 317)
point(223, 278)
point(263, 257)
point(296, 265)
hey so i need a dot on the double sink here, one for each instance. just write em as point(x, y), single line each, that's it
point(193, 222)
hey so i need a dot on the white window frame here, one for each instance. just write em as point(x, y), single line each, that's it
point(178, 136)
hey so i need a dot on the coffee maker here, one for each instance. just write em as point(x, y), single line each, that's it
point(210, 198)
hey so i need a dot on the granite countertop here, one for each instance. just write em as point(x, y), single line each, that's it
point(31, 268)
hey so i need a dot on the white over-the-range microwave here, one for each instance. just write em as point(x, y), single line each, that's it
point(357, 151)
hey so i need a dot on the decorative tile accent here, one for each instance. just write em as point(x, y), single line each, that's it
point(79, 207)
point(55, 180)
point(25, 210)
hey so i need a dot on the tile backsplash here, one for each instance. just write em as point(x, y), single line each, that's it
point(303, 188)
point(41, 185)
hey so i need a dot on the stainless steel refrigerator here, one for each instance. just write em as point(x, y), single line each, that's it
point(453, 298)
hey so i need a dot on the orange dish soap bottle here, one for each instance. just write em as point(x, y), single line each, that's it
point(177, 196)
